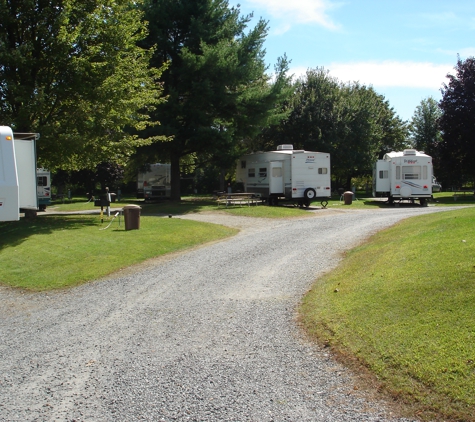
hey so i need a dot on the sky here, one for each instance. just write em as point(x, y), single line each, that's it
point(404, 49)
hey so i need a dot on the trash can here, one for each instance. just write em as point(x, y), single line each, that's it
point(132, 217)
point(348, 197)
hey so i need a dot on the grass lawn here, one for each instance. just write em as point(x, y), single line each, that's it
point(59, 251)
point(403, 305)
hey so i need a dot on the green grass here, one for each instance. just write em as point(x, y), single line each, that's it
point(53, 252)
point(447, 198)
point(403, 305)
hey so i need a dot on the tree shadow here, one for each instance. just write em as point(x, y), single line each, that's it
point(15, 233)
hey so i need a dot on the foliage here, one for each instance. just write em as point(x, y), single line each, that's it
point(458, 126)
point(105, 174)
point(108, 174)
point(216, 83)
point(402, 305)
point(72, 71)
point(424, 129)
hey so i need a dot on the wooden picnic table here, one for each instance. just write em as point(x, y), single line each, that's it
point(462, 192)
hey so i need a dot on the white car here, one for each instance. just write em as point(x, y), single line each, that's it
point(436, 186)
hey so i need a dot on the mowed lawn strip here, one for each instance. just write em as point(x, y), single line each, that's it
point(60, 251)
point(403, 304)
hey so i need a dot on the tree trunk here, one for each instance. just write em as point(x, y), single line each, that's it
point(348, 183)
point(175, 177)
point(222, 182)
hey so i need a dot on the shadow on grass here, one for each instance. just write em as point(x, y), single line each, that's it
point(450, 199)
point(396, 204)
point(16, 232)
point(166, 207)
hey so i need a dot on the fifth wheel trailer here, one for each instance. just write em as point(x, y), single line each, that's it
point(298, 175)
point(403, 175)
point(17, 174)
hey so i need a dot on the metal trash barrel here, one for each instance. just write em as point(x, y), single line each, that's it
point(132, 217)
point(348, 197)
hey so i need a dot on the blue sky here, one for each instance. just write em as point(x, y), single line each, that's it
point(403, 48)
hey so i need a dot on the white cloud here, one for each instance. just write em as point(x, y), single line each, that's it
point(299, 11)
point(388, 73)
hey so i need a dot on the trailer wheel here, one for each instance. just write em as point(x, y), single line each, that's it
point(273, 200)
point(309, 194)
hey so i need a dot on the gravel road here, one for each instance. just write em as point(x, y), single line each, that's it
point(205, 335)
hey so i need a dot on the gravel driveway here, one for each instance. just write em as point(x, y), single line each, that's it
point(206, 335)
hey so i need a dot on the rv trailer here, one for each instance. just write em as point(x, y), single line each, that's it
point(18, 175)
point(155, 182)
point(297, 175)
point(403, 175)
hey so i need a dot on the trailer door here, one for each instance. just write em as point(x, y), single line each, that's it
point(26, 168)
point(382, 176)
point(276, 177)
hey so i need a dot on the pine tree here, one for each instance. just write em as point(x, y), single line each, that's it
point(218, 91)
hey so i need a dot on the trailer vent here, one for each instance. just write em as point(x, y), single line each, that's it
point(286, 147)
point(410, 152)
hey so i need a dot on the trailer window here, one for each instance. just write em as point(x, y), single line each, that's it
point(243, 164)
point(398, 172)
point(424, 172)
point(263, 172)
point(251, 173)
point(383, 174)
point(411, 172)
point(322, 170)
point(42, 181)
point(276, 171)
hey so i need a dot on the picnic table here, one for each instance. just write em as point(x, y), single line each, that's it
point(242, 198)
point(462, 192)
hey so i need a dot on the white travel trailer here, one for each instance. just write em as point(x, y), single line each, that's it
point(297, 175)
point(155, 183)
point(403, 175)
point(17, 174)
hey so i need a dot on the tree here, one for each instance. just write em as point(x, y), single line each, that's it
point(457, 124)
point(218, 92)
point(72, 71)
point(424, 127)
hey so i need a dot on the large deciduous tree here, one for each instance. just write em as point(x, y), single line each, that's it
point(424, 126)
point(72, 70)
point(457, 123)
point(218, 91)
